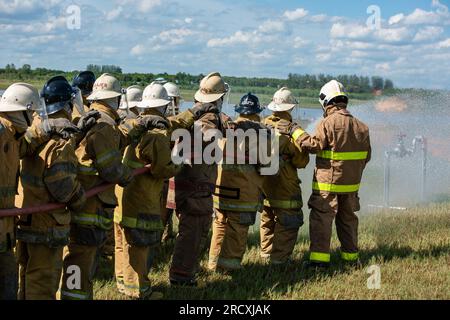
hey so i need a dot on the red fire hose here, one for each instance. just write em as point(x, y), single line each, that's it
point(53, 206)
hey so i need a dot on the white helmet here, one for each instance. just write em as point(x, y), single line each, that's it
point(330, 91)
point(172, 90)
point(155, 96)
point(212, 88)
point(283, 100)
point(105, 87)
point(134, 97)
point(20, 97)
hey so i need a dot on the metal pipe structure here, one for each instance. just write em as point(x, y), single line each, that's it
point(400, 151)
point(53, 206)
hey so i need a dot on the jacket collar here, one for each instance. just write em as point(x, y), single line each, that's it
point(251, 117)
point(103, 107)
point(283, 115)
point(152, 112)
point(337, 108)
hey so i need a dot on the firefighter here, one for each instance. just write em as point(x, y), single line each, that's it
point(129, 107)
point(167, 214)
point(48, 175)
point(17, 140)
point(84, 81)
point(175, 96)
point(100, 158)
point(342, 147)
point(282, 215)
point(238, 196)
point(191, 193)
point(137, 219)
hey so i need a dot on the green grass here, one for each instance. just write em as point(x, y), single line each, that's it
point(412, 249)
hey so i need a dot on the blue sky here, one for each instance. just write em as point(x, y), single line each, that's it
point(410, 45)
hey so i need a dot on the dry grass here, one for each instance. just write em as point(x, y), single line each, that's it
point(412, 248)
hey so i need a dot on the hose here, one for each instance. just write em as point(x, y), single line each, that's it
point(44, 208)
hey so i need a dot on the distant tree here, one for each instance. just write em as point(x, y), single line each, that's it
point(377, 83)
point(388, 84)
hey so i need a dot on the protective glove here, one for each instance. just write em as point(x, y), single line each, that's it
point(88, 120)
point(150, 122)
point(200, 109)
point(61, 127)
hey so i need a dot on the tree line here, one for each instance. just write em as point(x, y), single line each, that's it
point(353, 83)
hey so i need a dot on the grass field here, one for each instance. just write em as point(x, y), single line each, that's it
point(412, 249)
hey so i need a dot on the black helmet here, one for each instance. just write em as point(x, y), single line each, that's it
point(57, 93)
point(249, 105)
point(85, 81)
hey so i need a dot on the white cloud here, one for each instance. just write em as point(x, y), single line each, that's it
point(175, 36)
point(318, 18)
point(271, 26)
point(13, 7)
point(383, 67)
point(349, 31)
point(113, 14)
point(144, 6)
point(297, 14)
point(420, 16)
point(188, 20)
point(428, 33)
point(299, 42)
point(393, 34)
point(238, 37)
point(444, 44)
point(396, 19)
point(258, 56)
point(323, 57)
point(138, 50)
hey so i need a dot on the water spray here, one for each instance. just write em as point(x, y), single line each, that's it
point(401, 151)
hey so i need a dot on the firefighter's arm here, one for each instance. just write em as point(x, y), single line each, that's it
point(311, 144)
point(60, 176)
point(103, 146)
point(158, 153)
point(299, 159)
point(184, 120)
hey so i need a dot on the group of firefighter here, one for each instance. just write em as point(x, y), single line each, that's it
point(54, 148)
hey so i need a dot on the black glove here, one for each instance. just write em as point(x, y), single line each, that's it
point(61, 127)
point(153, 122)
point(200, 109)
point(88, 120)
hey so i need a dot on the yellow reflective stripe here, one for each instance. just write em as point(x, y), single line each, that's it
point(136, 223)
point(133, 164)
point(319, 257)
point(92, 220)
point(75, 294)
point(297, 134)
point(236, 206)
point(333, 155)
point(283, 204)
point(349, 256)
point(328, 187)
point(88, 171)
point(105, 157)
